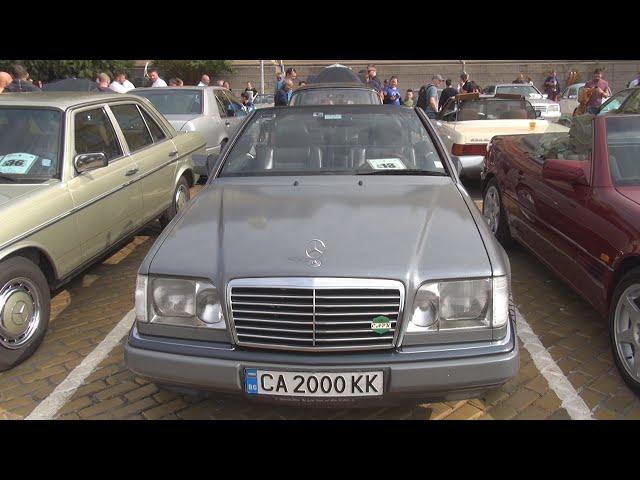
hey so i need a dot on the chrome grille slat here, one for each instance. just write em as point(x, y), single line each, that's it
point(324, 316)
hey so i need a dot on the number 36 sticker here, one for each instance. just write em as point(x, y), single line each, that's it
point(16, 162)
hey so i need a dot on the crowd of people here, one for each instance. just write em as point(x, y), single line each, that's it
point(429, 97)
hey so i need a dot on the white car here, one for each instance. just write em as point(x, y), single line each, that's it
point(569, 99)
point(549, 110)
point(467, 122)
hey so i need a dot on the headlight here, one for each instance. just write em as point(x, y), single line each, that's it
point(181, 302)
point(460, 304)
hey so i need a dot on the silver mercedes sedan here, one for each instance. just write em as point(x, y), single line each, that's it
point(214, 112)
point(333, 256)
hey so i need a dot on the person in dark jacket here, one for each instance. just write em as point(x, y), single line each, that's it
point(283, 95)
point(20, 81)
point(446, 94)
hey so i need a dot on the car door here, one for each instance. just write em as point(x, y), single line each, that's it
point(154, 153)
point(228, 112)
point(108, 204)
point(569, 100)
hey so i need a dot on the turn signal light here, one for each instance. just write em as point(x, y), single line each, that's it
point(469, 149)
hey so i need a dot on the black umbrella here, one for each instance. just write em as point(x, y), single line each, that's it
point(335, 74)
point(71, 85)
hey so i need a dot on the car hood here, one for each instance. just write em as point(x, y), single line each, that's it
point(481, 131)
point(179, 121)
point(405, 228)
point(10, 192)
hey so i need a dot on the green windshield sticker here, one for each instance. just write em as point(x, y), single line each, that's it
point(381, 324)
point(336, 116)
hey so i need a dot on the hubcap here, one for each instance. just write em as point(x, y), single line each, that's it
point(491, 208)
point(19, 312)
point(181, 198)
point(627, 330)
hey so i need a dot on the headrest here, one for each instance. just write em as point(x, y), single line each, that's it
point(292, 135)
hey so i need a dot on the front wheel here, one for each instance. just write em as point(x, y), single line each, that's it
point(181, 196)
point(624, 328)
point(24, 310)
point(494, 213)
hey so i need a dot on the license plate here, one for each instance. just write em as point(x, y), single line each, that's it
point(317, 384)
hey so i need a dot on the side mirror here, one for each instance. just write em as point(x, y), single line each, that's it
point(211, 162)
point(573, 172)
point(544, 95)
point(538, 113)
point(90, 161)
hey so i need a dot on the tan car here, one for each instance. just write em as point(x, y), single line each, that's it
point(79, 174)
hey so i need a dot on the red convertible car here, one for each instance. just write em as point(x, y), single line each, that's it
point(573, 199)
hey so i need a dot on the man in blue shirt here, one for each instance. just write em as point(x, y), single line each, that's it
point(391, 93)
point(283, 95)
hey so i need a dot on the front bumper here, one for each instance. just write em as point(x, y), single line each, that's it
point(432, 373)
point(471, 164)
point(551, 116)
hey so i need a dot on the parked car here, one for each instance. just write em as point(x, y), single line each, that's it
point(569, 99)
point(573, 199)
point(213, 112)
point(467, 122)
point(264, 100)
point(345, 262)
point(624, 101)
point(335, 94)
point(549, 110)
point(79, 174)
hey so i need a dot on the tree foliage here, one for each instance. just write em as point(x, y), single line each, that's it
point(190, 71)
point(50, 70)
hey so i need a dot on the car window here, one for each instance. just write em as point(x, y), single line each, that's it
point(332, 140)
point(528, 91)
point(174, 101)
point(615, 101)
point(490, 90)
point(335, 96)
point(133, 127)
point(93, 133)
point(495, 109)
point(156, 132)
point(238, 108)
point(632, 103)
point(448, 111)
point(29, 143)
point(623, 146)
point(223, 103)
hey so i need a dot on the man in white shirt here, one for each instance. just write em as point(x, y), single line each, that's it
point(156, 81)
point(120, 83)
point(204, 81)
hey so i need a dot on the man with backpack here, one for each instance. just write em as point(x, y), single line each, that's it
point(428, 96)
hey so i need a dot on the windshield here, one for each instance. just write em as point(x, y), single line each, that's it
point(29, 143)
point(263, 98)
point(528, 91)
point(175, 102)
point(333, 140)
point(489, 109)
point(335, 96)
point(623, 145)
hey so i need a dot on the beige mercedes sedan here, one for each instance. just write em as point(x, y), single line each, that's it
point(80, 173)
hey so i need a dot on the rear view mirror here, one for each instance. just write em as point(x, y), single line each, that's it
point(90, 161)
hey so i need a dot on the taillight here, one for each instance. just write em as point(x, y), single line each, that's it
point(469, 149)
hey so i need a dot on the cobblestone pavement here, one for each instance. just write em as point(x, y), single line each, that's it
point(93, 303)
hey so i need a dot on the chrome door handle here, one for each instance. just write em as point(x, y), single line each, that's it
point(131, 172)
point(173, 154)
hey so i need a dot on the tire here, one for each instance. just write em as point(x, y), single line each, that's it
point(179, 199)
point(625, 343)
point(494, 213)
point(25, 308)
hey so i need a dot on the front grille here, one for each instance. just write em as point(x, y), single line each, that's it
point(314, 318)
point(541, 108)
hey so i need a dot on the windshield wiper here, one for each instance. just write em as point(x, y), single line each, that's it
point(405, 171)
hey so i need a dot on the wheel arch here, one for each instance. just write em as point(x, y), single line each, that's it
point(627, 264)
point(38, 256)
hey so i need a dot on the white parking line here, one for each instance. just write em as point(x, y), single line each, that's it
point(571, 401)
point(49, 407)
